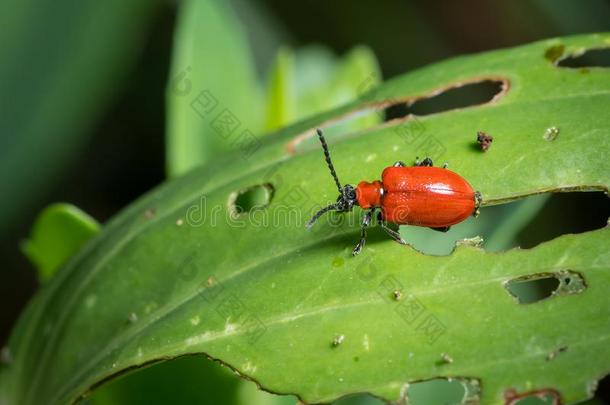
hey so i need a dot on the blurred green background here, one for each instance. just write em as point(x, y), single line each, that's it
point(82, 94)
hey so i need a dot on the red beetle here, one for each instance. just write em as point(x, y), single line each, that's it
point(421, 195)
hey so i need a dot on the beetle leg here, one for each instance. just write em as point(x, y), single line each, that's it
point(400, 163)
point(426, 162)
point(445, 165)
point(442, 228)
point(365, 223)
point(393, 234)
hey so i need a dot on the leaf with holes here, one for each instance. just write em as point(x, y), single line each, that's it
point(218, 261)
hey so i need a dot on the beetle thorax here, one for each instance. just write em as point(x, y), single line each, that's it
point(369, 194)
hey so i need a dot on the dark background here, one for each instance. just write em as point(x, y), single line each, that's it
point(123, 156)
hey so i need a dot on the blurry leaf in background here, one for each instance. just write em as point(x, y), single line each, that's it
point(213, 99)
point(281, 91)
point(60, 63)
point(59, 231)
point(313, 79)
point(266, 33)
point(570, 17)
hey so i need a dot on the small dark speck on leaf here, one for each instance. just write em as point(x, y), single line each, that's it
point(133, 317)
point(337, 340)
point(149, 213)
point(445, 359)
point(484, 140)
point(551, 133)
point(554, 353)
point(554, 53)
point(210, 282)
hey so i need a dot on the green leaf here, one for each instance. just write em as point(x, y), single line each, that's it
point(178, 272)
point(60, 64)
point(58, 233)
point(213, 99)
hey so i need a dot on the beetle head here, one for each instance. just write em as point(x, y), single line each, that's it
point(347, 198)
point(347, 194)
point(345, 203)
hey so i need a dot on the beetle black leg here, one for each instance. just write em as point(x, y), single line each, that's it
point(442, 228)
point(365, 223)
point(400, 163)
point(393, 234)
point(426, 162)
point(445, 165)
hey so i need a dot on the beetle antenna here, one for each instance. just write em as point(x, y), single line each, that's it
point(329, 162)
point(318, 214)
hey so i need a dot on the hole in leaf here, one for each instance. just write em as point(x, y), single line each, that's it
point(529, 291)
point(475, 92)
point(252, 198)
point(524, 223)
point(495, 229)
point(443, 391)
point(546, 399)
point(547, 396)
point(449, 98)
point(592, 58)
point(357, 399)
point(537, 287)
point(602, 390)
point(566, 213)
